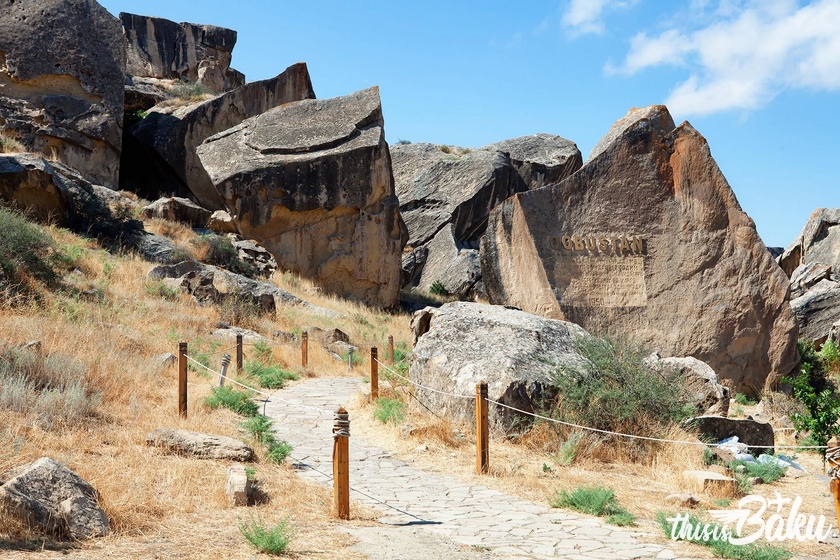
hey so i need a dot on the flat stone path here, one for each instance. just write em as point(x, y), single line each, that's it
point(417, 503)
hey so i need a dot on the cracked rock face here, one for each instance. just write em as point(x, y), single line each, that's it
point(61, 83)
point(311, 181)
point(648, 240)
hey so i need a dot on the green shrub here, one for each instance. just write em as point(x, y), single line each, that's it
point(160, 289)
point(438, 289)
point(10, 145)
point(815, 389)
point(219, 251)
point(594, 500)
point(741, 398)
point(237, 401)
point(192, 91)
point(830, 355)
point(617, 390)
point(279, 451)
point(26, 250)
point(259, 427)
point(272, 540)
point(724, 548)
point(766, 472)
point(268, 376)
point(389, 411)
point(568, 450)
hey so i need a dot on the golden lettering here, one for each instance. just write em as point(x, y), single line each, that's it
point(554, 243)
point(636, 245)
point(578, 241)
point(603, 244)
point(591, 244)
point(567, 243)
point(624, 245)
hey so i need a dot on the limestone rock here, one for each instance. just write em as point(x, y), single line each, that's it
point(221, 222)
point(176, 209)
point(708, 481)
point(673, 261)
point(175, 132)
point(455, 267)
point(159, 48)
point(807, 275)
point(201, 446)
point(252, 252)
point(819, 242)
point(166, 360)
point(817, 310)
point(461, 344)
point(155, 248)
point(701, 381)
point(540, 159)
point(248, 336)
point(758, 436)
point(238, 486)
point(48, 495)
point(311, 182)
point(682, 500)
point(61, 83)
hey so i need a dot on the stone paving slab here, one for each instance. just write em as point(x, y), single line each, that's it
point(444, 507)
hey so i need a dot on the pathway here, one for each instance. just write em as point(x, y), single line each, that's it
point(419, 505)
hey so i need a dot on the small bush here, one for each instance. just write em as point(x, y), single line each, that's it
point(219, 251)
point(568, 450)
point(818, 393)
point(830, 355)
point(437, 289)
point(192, 91)
point(279, 451)
point(237, 401)
point(389, 411)
point(259, 427)
point(269, 376)
point(26, 251)
point(10, 145)
point(617, 390)
point(159, 288)
point(766, 472)
point(594, 500)
point(743, 399)
point(274, 540)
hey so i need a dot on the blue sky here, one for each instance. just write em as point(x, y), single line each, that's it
point(759, 79)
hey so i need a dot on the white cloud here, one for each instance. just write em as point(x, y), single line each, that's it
point(586, 16)
point(746, 54)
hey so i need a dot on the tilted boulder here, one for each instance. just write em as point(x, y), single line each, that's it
point(758, 436)
point(461, 344)
point(311, 182)
point(176, 209)
point(48, 495)
point(201, 446)
point(174, 132)
point(160, 48)
point(701, 383)
point(817, 310)
point(805, 276)
point(540, 159)
point(449, 266)
point(61, 83)
point(648, 240)
point(819, 242)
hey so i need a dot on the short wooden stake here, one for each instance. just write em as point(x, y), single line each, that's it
point(341, 463)
point(182, 379)
point(374, 373)
point(239, 354)
point(482, 430)
point(304, 349)
point(350, 359)
point(225, 365)
point(834, 464)
point(391, 349)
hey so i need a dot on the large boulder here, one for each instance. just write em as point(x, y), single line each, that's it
point(758, 436)
point(540, 159)
point(159, 48)
point(48, 495)
point(817, 310)
point(451, 267)
point(176, 209)
point(461, 344)
point(173, 132)
point(701, 382)
point(311, 181)
point(819, 242)
point(61, 83)
point(648, 239)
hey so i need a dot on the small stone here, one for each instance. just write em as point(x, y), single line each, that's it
point(755, 480)
point(794, 473)
point(685, 499)
point(166, 360)
point(421, 448)
point(238, 485)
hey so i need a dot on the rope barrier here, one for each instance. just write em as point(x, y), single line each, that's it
point(453, 395)
point(607, 432)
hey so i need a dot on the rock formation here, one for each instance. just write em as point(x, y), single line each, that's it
point(201, 446)
point(61, 83)
point(817, 311)
point(446, 194)
point(48, 495)
point(163, 49)
point(819, 242)
point(173, 132)
point(647, 239)
point(462, 343)
point(311, 182)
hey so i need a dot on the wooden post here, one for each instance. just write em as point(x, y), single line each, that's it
point(391, 349)
point(374, 374)
point(225, 365)
point(482, 431)
point(182, 379)
point(341, 463)
point(304, 349)
point(833, 458)
point(239, 354)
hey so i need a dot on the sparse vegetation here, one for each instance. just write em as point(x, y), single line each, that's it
point(437, 289)
point(724, 548)
point(389, 410)
point(818, 393)
point(218, 250)
point(743, 399)
point(9, 144)
point(192, 91)
point(28, 254)
point(260, 428)
point(267, 375)
point(594, 500)
point(768, 473)
point(232, 399)
point(269, 540)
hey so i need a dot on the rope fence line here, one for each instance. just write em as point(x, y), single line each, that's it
point(578, 426)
